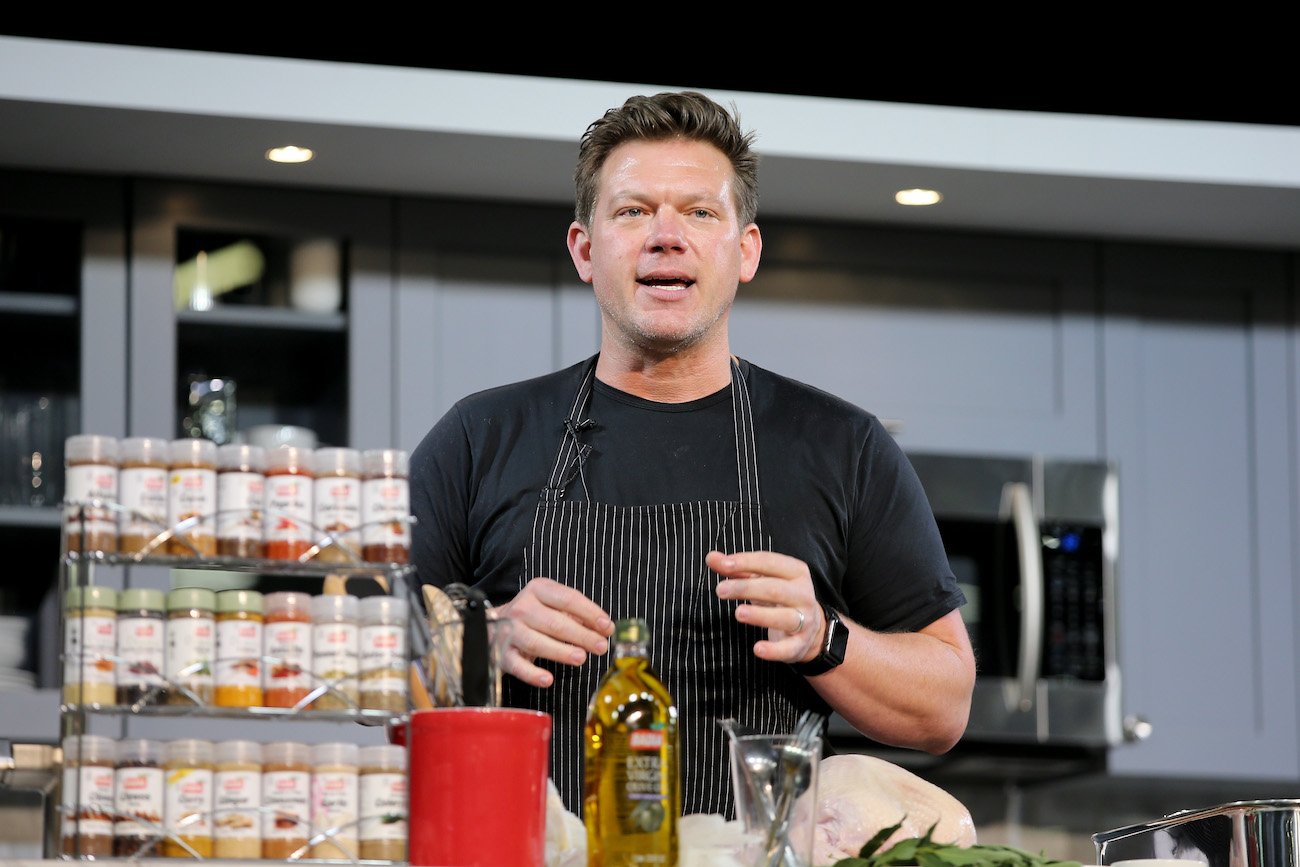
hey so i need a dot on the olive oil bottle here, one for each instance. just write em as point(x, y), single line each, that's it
point(631, 792)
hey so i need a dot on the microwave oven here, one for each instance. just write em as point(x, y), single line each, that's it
point(1032, 542)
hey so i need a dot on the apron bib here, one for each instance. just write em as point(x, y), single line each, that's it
point(648, 561)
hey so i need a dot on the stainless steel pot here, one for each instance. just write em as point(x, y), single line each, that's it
point(1238, 834)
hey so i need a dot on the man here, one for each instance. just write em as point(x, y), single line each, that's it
point(774, 536)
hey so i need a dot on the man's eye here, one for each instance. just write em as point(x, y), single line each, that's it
point(632, 212)
point(703, 213)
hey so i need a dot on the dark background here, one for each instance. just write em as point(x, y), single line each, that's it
point(1093, 67)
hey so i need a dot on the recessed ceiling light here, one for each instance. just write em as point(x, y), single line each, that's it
point(918, 197)
point(289, 154)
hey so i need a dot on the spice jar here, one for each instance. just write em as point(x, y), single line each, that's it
point(287, 522)
point(87, 798)
point(335, 651)
point(192, 497)
point(90, 474)
point(89, 645)
point(142, 492)
point(188, 798)
point(286, 799)
point(141, 646)
point(334, 796)
point(382, 785)
point(383, 653)
point(191, 645)
point(241, 493)
point(337, 503)
point(385, 506)
point(237, 800)
point(288, 674)
point(238, 673)
point(138, 802)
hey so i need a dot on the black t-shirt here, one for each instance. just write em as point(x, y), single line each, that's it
point(836, 489)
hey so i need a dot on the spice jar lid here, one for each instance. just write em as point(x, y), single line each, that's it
point(90, 596)
point(239, 600)
point(388, 756)
point(289, 459)
point(334, 753)
point(189, 751)
point(241, 456)
point(193, 451)
point(334, 606)
point(145, 751)
point(336, 462)
point(149, 450)
point(385, 609)
point(142, 599)
point(292, 601)
point(384, 462)
point(191, 597)
point(286, 753)
point(95, 448)
point(238, 752)
point(89, 748)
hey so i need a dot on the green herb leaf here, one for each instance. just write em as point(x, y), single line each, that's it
point(924, 852)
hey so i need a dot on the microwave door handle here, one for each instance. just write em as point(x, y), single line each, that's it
point(1017, 498)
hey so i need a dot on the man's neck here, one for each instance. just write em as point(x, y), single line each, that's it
point(675, 378)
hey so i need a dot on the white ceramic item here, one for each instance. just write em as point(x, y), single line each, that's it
point(271, 436)
point(315, 278)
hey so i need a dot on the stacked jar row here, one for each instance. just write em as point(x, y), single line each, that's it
point(235, 648)
point(232, 799)
point(190, 497)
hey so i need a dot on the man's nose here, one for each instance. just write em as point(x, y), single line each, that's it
point(667, 231)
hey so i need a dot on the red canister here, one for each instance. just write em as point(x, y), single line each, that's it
point(470, 762)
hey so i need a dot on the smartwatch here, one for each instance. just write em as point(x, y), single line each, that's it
point(834, 644)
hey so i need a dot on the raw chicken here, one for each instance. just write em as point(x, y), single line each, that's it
point(858, 795)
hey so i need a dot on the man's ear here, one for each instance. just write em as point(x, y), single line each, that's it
point(751, 250)
point(580, 250)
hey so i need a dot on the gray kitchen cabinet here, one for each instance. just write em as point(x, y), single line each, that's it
point(63, 280)
point(327, 370)
point(968, 344)
point(476, 309)
point(1198, 416)
point(972, 344)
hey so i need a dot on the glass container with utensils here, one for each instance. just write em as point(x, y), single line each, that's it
point(774, 778)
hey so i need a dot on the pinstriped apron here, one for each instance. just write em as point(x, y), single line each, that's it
point(648, 561)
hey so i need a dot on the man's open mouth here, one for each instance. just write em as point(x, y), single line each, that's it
point(667, 282)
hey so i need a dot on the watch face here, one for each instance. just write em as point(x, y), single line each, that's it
point(837, 639)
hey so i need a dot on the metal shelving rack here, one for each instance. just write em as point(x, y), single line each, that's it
point(78, 568)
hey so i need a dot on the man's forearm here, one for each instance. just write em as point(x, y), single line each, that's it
point(909, 689)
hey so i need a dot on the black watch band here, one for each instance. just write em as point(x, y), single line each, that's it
point(834, 644)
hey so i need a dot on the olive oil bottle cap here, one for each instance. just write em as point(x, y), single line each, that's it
point(631, 629)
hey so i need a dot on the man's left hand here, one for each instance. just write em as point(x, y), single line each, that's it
point(776, 593)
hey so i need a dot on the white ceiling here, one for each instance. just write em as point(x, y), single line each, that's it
point(115, 109)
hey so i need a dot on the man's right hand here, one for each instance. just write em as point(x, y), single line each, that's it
point(551, 621)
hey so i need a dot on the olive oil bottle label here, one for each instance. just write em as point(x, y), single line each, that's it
point(643, 782)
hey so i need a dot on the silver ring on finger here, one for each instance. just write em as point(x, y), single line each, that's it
point(798, 628)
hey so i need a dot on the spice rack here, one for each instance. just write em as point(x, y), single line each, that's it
point(78, 713)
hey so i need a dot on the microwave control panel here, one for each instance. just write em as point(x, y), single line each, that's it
point(1074, 617)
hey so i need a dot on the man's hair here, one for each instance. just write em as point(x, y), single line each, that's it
point(682, 115)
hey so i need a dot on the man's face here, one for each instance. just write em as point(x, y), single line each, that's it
point(665, 251)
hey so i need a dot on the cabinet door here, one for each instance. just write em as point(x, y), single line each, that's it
point(477, 309)
point(294, 360)
point(971, 345)
point(1196, 414)
point(62, 371)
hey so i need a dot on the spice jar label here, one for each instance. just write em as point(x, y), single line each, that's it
point(383, 806)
